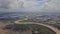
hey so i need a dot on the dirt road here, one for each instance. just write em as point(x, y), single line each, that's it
point(51, 27)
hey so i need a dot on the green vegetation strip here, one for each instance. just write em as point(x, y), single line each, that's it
point(41, 29)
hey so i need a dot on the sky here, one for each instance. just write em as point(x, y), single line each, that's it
point(30, 5)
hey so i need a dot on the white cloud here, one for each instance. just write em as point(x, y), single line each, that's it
point(30, 5)
point(53, 5)
point(11, 4)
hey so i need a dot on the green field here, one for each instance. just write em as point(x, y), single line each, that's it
point(33, 27)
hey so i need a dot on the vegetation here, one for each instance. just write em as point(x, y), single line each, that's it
point(35, 29)
point(57, 25)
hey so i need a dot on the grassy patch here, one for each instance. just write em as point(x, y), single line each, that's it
point(39, 29)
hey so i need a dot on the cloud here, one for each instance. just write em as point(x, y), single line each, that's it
point(52, 5)
point(30, 5)
point(11, 4)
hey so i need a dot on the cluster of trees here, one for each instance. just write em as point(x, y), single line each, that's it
point(35, 29)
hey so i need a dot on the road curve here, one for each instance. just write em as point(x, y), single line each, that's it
point(51, 27)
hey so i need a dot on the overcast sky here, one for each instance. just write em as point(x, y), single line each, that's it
point(30, 5)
